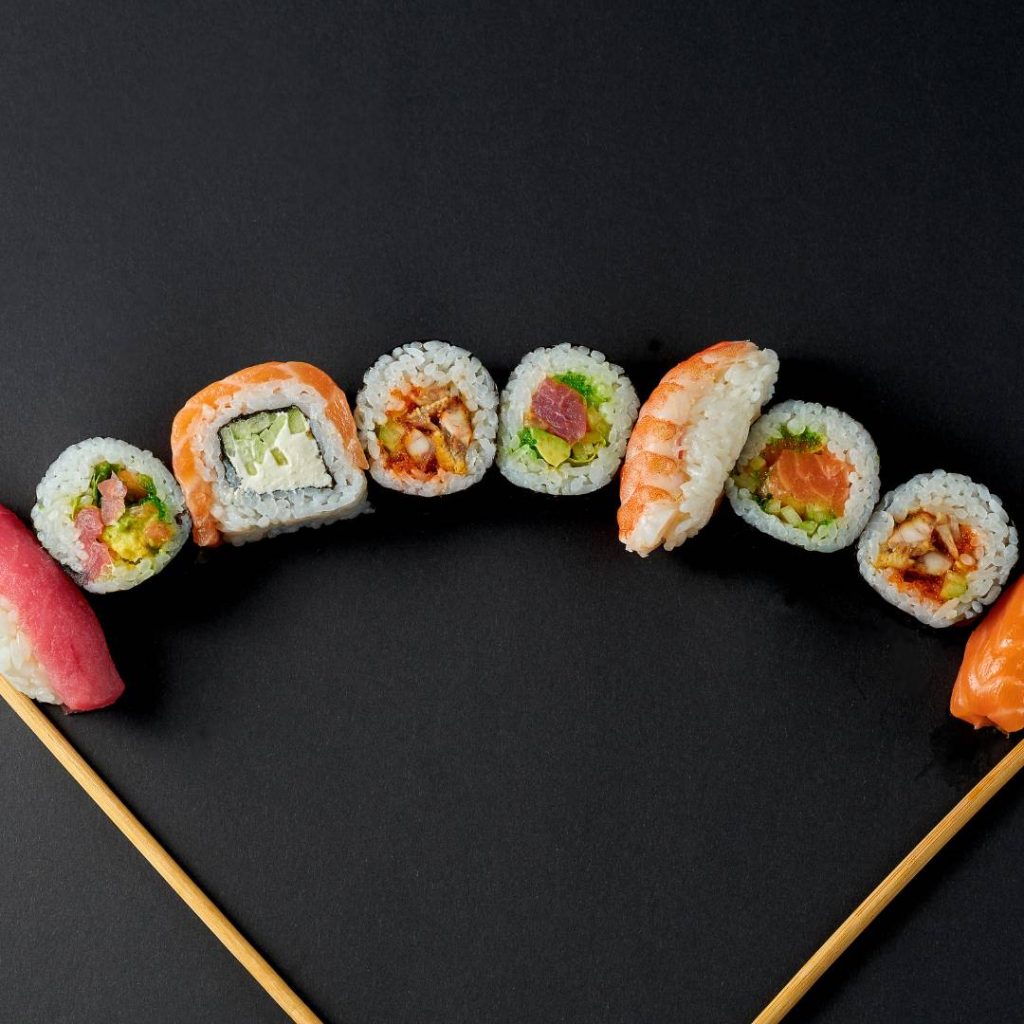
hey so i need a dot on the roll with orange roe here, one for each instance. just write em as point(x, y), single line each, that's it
point(808, 475)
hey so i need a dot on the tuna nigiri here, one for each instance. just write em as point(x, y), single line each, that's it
point(989, 688)
point(51, 645)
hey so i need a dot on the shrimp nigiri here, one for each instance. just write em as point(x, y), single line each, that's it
point(989, 688)
point(687, 439)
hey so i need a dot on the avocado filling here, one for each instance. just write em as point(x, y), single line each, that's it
point(564, 423)
point(428, 430)
point(930, 554)
point(120, 519)
point(797, 480)
point(274, 451)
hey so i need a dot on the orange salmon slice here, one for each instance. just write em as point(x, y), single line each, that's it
point(802, 478)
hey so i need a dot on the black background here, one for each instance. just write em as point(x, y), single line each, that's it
point(468, 760)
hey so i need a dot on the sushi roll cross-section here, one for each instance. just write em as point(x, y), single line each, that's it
point(686, 440)
point(265, 451)
point(939, 547)
point(566, 414)
point(808, 475)
point(427, 415)
point(52, 647)
point(111, 513)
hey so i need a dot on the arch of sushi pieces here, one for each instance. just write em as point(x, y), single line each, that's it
point(275, 447)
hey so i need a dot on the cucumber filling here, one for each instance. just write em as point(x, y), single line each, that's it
point(274, 451)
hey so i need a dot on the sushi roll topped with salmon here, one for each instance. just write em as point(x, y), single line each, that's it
point(267, 450)
point(808, 475)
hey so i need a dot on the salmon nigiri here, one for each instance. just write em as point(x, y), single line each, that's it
point(989, 688)
point(51, 645)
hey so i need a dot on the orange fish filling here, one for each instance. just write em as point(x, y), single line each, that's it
point(930, 555)
point(798, 480)
point(428, 431)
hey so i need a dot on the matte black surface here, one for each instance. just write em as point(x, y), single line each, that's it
point(469, 761)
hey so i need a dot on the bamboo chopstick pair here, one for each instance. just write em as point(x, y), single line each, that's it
point(278, 989)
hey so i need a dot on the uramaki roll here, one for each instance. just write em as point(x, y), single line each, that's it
point(265, 451)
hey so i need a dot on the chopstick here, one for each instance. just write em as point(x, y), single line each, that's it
point(165, 865)
point(893, 883)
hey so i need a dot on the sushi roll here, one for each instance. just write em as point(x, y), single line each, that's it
point(265, 451)
point(566, 414)
point(808, 475)
point(940, 547)
point(110, 513)
point(427, 416)
point(52, 648)
point(686, 440)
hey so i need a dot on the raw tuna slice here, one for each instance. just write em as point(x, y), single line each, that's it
point(559, 410)
point(61, 630)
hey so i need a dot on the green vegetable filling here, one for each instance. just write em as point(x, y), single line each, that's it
point(246, 441)
point(593, 394)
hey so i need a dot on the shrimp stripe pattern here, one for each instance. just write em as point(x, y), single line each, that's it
point(687, 438)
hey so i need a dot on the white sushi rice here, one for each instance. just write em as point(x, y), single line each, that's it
point(619, 411)
point(18, 664)
point(846, 439)
point(973, 505)
point(68, 478)
point(427, 364)
point(243, 515)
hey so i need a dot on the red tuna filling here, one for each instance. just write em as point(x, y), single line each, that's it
point(558, 409)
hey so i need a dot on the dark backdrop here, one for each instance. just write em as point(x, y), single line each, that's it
point(467, 760)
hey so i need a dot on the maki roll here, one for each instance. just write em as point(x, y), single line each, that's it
point(566, 414)
point(808, 475)
point(52, 648)
point(427, 416)
point(940, 547)
point(687, 438)
point(110, 513)
point(265, 451)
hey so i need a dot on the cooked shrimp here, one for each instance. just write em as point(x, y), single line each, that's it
point(687, 438)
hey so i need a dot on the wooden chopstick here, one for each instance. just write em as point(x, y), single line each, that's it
point(893, 883)
point(143, 841)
